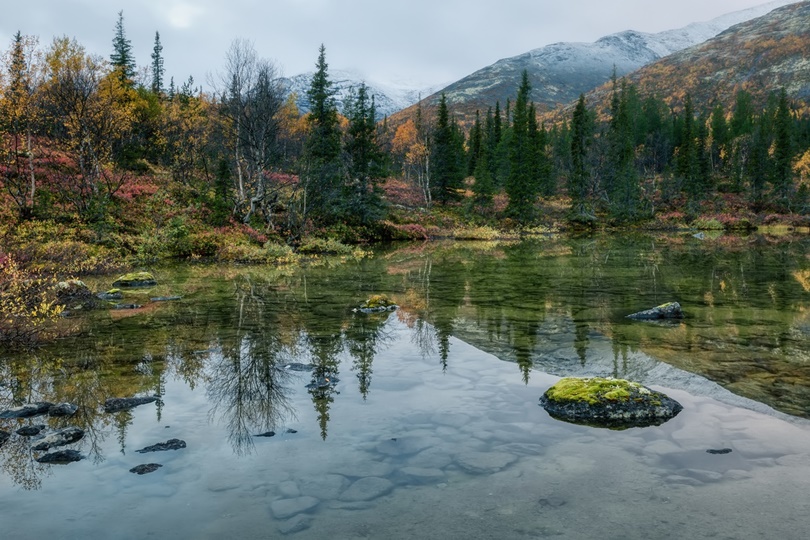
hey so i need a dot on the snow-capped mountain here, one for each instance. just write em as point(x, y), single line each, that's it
point(388, 97)
point(560, 72)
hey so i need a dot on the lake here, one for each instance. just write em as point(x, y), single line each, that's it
point(424, 422)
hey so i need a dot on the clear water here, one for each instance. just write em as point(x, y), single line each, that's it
point(433, 428)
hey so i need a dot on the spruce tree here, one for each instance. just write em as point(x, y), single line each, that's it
point(521, 184)
point(321, 172)
point(157, 66)
point(121, 58)
point(579, 179)
point(365, 162)
point(447, 169)
point(782, 170)
point(475, 145)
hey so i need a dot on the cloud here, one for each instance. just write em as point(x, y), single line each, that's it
point(182, 15)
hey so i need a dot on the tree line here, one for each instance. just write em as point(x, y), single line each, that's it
point(80, 132)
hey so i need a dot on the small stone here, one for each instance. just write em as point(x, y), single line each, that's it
point(290, 430)
point(285, 508)
point(719, 451)
point(288, 489)
point(299, 523)
point(403, 446)
point(30, 431)
point(145, 468)
point(121, 404)
point(366, 489)
point(60, 457)
point(171, 444)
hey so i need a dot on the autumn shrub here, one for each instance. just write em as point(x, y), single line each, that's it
point(324, 246)
point(49, 248)
point(28, 305)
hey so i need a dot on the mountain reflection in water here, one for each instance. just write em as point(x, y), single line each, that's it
point(546, 305)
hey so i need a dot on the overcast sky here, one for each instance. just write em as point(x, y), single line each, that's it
point(422, 42)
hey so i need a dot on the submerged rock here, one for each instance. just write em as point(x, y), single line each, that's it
point(295, 366)
point(28, 410)
point(286, 508)
point(266, 434)
point(112, 294)
point(122, 404)
point(135, 279)
point(367, 489)
point(670, 310)
point(59, 438)
point(4, 435)
point(171, 444)
point(146, 468)
point(63, 409)
point(126, 306)
point(322, 382)
point(376, 304)
point(60, 457)
point(608, 402)
point(719, 451)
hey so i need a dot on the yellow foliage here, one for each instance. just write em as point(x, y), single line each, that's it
point(28, 305)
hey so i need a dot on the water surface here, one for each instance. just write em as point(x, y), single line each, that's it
point(430, 425)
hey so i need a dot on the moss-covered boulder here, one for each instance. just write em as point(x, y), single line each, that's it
point(670, 310)
point(377, 303)
point(135, 279)
point(74, 295)
point(608, 402)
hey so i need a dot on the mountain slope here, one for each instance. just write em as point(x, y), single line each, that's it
point(760, 56)
point(560, 72)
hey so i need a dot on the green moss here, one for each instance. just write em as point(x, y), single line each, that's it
point(593, 390)
point(378, 301)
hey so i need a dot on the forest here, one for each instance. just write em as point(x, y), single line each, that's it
point(105, 164)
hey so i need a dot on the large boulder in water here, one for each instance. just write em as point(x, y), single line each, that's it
point(670, 310)
point(135, 279)
point(75, 295)
point(608, 402)
point(377, 303)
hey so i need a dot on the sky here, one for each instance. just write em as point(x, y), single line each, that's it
point(417, 43)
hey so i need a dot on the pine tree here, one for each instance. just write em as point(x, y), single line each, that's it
point(322, 148)
point(157, 66)
point(365, 162)
point(121, 58)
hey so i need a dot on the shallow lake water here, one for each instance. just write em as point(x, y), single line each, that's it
point(424, 422)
